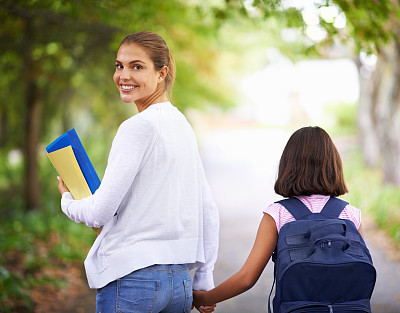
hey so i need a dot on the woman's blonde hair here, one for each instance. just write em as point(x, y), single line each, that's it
point(158, 51)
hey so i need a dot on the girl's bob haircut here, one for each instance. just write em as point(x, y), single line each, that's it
point(310, 164)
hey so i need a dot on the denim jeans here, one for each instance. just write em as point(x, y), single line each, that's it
point(157, 288)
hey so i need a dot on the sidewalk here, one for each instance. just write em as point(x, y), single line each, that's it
point(241, 169)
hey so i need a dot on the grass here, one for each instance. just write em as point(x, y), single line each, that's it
point(36, 247)
point(31, 244)
point(39, 247)
point(366, 188)
point(367, 192)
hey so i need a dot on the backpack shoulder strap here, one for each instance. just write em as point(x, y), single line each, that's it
point(297, 208)
point(334, 207)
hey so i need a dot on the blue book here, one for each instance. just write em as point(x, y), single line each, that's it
point(73, 165)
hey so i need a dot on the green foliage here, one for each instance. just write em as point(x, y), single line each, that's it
point(367, 193)
point(370, 25)
point(13, 291)
point(66, 52)
point(343, 118)
point(33, 242)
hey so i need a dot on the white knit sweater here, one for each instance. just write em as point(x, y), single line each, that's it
point(154, 202)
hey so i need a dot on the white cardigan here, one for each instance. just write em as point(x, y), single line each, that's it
point(154, 202)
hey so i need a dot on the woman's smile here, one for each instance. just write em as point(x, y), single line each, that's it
point(135, 75)
point(128, 88)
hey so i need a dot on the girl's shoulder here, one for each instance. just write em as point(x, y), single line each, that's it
point(315, 203)
point(351, 213)
point(279, 213)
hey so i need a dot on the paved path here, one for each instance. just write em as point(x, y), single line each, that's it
point(241, 168)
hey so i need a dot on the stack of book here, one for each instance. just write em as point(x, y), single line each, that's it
point(73, 165)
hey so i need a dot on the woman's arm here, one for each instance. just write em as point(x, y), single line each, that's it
point(248, 275)
point(131, 145)
point(203, 277)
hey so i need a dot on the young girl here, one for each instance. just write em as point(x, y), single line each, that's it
point(154, 203)
point(310, 169)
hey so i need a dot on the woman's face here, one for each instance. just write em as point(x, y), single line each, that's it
point(135, 75)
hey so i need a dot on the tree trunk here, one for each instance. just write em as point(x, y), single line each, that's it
point(387, 112)
point(33, 114)
point(3, 127)
point(32, 127)
point(366, 121)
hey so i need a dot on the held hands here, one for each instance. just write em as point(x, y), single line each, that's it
point(198, 299)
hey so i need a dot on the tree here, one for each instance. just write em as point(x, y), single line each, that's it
point(373, 28)
point(383, 103)
point(54, 57)
point(41, 40)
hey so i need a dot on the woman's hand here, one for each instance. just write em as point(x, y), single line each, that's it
point(198, 300)
point(61, 187)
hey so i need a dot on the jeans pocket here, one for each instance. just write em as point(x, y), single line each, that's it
point(136, 295)
point(188, 295)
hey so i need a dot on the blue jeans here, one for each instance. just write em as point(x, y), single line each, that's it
point(157, 288)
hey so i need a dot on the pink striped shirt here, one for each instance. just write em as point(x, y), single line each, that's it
point(314, 203)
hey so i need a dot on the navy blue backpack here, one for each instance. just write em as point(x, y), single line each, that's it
point(321, 263)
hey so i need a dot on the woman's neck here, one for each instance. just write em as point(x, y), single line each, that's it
point(157, 97)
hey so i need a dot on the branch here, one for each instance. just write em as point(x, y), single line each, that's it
point(54, 18)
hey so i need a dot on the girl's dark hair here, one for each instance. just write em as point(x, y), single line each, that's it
point(310, 164)
point(157, 50)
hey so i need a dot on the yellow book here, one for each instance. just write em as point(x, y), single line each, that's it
point(73, 165)
point(67, 166)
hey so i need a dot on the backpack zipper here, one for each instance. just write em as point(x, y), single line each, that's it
point(294, 247)
point(304, 245)
point(360, 308)
point(313, 307)
point(327, 243)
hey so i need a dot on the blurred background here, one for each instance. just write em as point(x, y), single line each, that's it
point(249, 73)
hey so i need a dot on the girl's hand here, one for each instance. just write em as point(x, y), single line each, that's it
point(206, 308)
point(198, 300)
point(61, 187)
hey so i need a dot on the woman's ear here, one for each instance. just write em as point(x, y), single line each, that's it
point(163, 74)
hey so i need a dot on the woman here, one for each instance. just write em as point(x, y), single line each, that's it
point(154, 203)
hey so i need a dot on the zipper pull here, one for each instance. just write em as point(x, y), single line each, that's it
point(330, 309)
point(329, 244)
